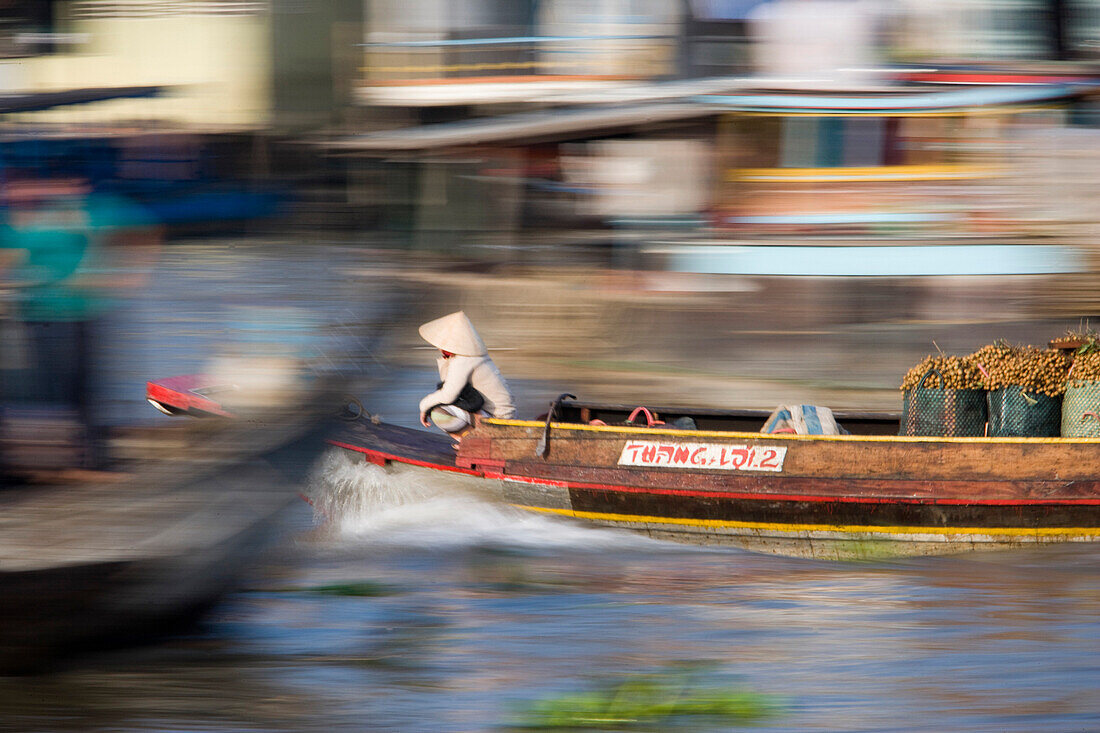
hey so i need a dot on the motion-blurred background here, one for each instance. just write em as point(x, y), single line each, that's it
point(725, 202)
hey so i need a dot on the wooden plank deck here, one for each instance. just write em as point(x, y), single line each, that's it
point(419, 446)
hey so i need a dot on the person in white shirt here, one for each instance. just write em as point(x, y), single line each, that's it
point(470, 381)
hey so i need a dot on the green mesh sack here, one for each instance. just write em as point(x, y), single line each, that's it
point(942, 412)
point(1016, 413)
point(1081, 409)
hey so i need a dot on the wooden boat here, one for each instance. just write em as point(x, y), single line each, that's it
point(866, 494)
point(91, 564)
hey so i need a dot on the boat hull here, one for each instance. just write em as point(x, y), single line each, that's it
point(837, 499)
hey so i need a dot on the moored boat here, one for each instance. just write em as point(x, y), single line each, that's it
point(89, 564)
point(866, 494)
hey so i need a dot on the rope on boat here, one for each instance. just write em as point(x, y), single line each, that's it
point(542, 449)
point(650, 421)
point(353, 415)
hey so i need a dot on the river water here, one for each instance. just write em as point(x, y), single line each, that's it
point(409, 606)
point(417, 609)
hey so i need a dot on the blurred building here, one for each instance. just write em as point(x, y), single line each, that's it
point(211, 54)
point(481, 100)
point(699, 135)
point(641, 125)
point(224, 81)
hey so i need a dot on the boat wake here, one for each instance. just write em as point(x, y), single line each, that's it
point(359, 502)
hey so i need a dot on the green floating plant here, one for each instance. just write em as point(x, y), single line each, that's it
point(646, 701)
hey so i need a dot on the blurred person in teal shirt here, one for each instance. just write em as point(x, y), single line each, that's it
point(66, 247)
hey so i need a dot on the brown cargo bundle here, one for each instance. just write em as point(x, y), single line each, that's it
point(1025, 385)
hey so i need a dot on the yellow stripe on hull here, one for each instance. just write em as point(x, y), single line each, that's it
point(1015, 533)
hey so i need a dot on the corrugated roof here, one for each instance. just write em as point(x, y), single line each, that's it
point(574, 121)
point(525, 126)
point(37, 101)
point(909, 102)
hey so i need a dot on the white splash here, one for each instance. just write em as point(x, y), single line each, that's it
point(362, 502)
point(346, 486)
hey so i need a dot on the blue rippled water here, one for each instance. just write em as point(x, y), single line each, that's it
point(454, 615)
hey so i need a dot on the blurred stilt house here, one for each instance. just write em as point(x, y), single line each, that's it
point(199, 152)
point(815, 147)
point(481, 126)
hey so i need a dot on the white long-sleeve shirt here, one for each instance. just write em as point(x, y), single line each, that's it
point(479, 371)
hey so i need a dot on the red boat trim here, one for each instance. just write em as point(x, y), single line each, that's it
point(538, 481)
point(948, 77)
point(401, 459)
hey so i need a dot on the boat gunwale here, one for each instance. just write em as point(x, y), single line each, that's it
point(643, 430)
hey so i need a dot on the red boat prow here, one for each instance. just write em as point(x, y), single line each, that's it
point(188, 394)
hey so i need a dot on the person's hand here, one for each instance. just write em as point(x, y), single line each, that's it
point(424, 420)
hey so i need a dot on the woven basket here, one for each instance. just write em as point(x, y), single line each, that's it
point(942, 412)
point(1016, 413)
point(1081, 409)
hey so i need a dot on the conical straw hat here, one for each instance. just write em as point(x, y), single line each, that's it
point(454, 333)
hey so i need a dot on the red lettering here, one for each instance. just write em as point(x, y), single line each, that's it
point(739, 457)
point(736, 457)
